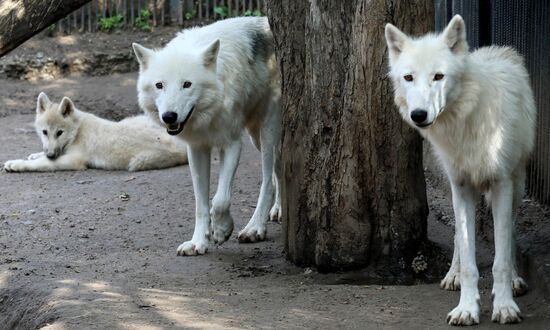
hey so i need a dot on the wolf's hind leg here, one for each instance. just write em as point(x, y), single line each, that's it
point(519, 286)
point(157, 159)
point(275, 212)
point(270, 134)
point(452, 279)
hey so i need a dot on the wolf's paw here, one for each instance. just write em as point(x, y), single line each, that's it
point(451, 281)
point(519, 286)
point(252, 233)
point(464, 314)
point(275, 212)
point(192, 248)
point(222, 226)
point(506, 311)
point(35, 156)
point(16, 165)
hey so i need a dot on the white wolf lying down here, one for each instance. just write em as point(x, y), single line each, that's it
point(75, 140)
point(207, 86)
point(478, 112)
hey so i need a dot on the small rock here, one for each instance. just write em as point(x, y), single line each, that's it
point(124, 197)
point(84, 181)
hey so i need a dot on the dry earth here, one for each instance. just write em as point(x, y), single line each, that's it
point(74, 255)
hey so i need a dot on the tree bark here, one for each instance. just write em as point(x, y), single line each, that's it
point(21, 19)
point(353, 185)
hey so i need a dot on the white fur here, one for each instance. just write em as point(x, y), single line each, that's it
point(87, 141)
point(481, 122)
point(232, 85)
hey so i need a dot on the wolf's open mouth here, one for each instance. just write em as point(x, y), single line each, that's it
point(424, 125)
point(175, 129)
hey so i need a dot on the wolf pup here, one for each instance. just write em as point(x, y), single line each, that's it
point(478, 112)
point(207, 86)
point(75, 140)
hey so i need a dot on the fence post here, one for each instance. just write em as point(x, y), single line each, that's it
point(153, 9)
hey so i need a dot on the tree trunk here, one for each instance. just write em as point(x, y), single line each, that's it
point(21, 19)
point(353, 185)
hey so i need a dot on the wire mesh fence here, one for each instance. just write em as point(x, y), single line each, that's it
point(110, 15)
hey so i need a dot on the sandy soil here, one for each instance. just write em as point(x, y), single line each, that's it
point(74, 255)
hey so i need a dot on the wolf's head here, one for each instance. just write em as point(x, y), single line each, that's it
point(55, 124)
point(178, 85)
point(425, 71)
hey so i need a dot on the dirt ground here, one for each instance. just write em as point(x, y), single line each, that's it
point(74, 255)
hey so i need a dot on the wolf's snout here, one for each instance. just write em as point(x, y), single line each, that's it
point(419, 116)
point(51, 155)
point(169, 117)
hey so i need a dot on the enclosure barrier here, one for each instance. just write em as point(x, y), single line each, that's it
point(525, 25)
point(111, 15)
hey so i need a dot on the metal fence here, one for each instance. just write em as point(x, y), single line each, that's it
point(525, 25)
point(109, 15)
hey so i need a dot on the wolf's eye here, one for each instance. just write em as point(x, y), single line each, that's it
point(438, 76)
point(45, 132)
point(187, 84)
point(408, 77)
point(158, 85)
point(59, 133)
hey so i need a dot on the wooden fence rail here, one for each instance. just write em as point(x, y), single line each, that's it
point(144, 14)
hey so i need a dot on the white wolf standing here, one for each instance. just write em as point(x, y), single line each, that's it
point(75, 140)
point(478, 112)
point(207, 85)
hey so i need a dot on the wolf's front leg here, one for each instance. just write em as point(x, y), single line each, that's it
point(199, 163)
point(43, 164)
point(36, 155)
point(467, 311)
point(452, 279)
point(505, 309)
point(222, 222)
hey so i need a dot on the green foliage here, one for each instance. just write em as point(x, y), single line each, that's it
point(143, 20)
point(223, 11)
point(50, 31)
point(109, 24)
point(256, 12)
point(190, 15)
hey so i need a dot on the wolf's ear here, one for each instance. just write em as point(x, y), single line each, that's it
point(42, 103)
point(396, 41)
point(66, 107)
point(210, 55)
point(455, 35)
point(143, 54)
